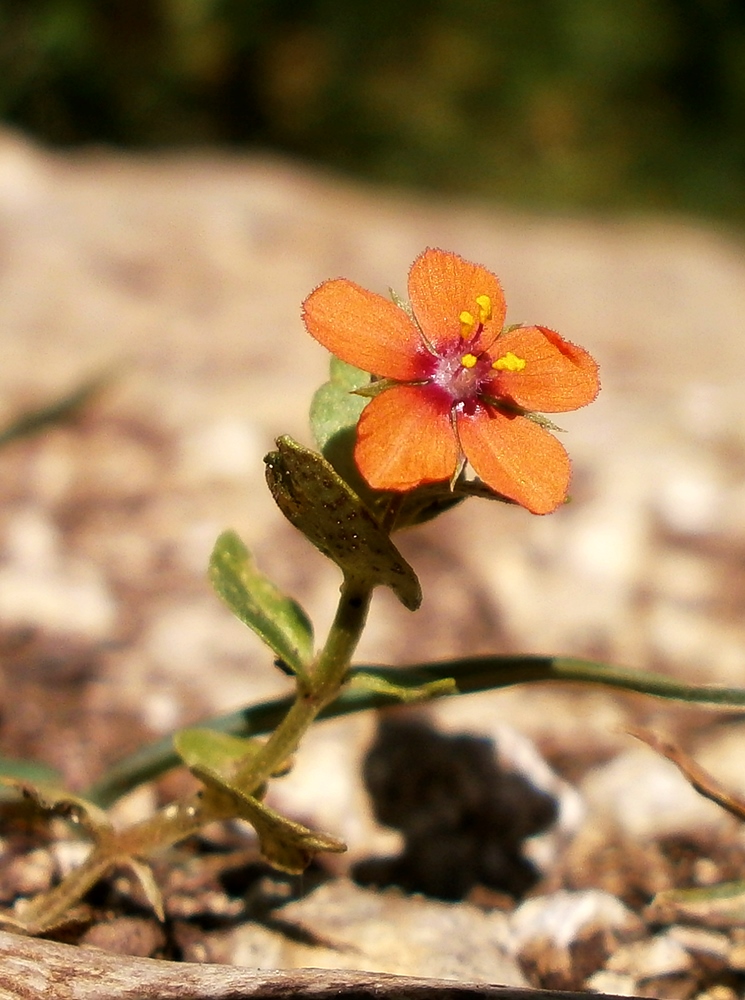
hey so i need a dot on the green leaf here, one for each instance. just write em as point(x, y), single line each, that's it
point(376, 684)
point(334, 413)
point(277, 619)
point(335, 407)
point(315, 498)
point(215, 758)
point(286, 845)
point(28, 770)
point(213, 752)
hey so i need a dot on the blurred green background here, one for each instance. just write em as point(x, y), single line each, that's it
point(559, 104)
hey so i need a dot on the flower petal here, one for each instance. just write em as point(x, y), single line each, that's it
point(442, 285)
point(516, 457)
point(557, 376)
point(405, 439)
point(365, 330)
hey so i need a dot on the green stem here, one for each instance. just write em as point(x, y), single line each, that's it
point(471, 674)
point(317, 690)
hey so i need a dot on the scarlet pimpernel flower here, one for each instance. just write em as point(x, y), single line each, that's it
point(455, 384)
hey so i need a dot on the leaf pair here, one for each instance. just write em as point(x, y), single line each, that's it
point(215, 758)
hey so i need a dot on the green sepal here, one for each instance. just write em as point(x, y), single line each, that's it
point(477, 488)
point(215, 758)
point(538, 418)
point(277, 619)
point(418, 692)
point(320, 503)
point(402, 304)
point(143, 873)
point(373, 389)
point(427, 502)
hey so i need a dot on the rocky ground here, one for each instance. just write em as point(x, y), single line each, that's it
point(184, 275)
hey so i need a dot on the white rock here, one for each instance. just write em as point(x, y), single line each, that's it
point(647, 796)
point(563, 917)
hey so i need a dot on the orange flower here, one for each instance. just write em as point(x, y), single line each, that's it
point(459, 387)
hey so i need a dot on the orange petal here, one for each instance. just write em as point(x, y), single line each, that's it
point(364, 329)
point(557, 376)
point(441, 286)
point(516, 457)
point(404, 439)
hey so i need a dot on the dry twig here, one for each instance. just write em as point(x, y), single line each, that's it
point(44, 970)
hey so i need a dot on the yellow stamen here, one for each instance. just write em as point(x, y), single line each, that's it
point(467, 323)
point(468, 360)
point(484, 304)
point(509, 363)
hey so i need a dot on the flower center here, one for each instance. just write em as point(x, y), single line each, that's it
point(461, 376)
point(460, 373)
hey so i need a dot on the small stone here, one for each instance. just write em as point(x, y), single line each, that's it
point(127, 936)
point(562, 939)
point(648, 797)
point(616, 983)
point(406, 935)
point(652, 958)
point(709, 948)
point(27, 875)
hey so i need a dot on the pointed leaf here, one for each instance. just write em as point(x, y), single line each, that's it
point(146, 880)
point(314, 497)
point(277, 619)
point(287, 845)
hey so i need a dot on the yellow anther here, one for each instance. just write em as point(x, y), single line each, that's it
point(509, 363)
point(468, 360)
point(484, 304)
point(467, 323)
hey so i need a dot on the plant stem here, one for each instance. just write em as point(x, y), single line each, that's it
point(319, 689)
